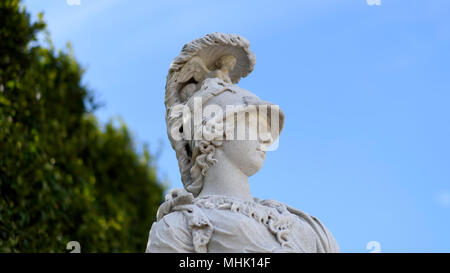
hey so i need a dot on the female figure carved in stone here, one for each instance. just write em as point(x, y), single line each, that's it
point(210, 121)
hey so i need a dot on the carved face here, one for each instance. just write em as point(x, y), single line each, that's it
point(248, 155)
point(245, 154)
point(228, 62)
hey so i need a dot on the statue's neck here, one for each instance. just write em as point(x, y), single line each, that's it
point(226, 179)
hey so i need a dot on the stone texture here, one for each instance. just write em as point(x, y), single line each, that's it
point(216, 211)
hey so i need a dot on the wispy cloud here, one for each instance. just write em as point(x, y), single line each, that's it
point(443, 199)
point(64, 17)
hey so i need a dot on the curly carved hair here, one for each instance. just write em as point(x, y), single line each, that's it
point(203, 161)
point(194, 158)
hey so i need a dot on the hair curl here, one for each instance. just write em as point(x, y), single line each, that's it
point(194, 158)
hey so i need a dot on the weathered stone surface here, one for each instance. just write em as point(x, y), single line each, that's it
point(210, 121)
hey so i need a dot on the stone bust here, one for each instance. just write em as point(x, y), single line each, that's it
point(220, 133)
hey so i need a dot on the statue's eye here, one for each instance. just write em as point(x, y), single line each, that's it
point(266, 138)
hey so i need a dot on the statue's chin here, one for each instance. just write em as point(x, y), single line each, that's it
point(252, 167)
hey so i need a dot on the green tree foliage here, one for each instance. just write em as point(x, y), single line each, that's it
point(62, 176)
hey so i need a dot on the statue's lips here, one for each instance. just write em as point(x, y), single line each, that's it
point(262, 153)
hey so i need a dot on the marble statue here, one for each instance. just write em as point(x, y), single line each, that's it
point(210, 121)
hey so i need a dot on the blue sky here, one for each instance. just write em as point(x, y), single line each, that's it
point(365, 90)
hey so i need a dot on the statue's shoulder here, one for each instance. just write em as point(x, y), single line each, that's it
point(327, 241)
point(181, 226)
